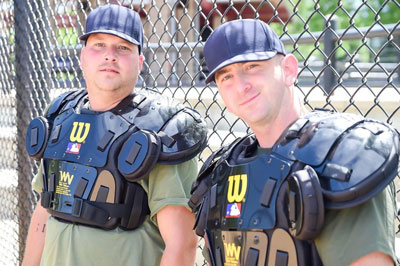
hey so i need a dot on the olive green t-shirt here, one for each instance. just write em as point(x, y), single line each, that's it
point(351, 233)
point(74, 245)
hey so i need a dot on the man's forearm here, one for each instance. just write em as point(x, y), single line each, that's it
point(36, 236)
point(185, 256)
point(176, 223)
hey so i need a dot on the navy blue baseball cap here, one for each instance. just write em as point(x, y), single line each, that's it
point(116, 20)
point(240, 41)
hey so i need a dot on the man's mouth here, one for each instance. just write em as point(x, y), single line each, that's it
point(109, 70)
point(248, 100)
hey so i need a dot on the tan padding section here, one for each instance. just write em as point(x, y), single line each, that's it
point(104, 179)
point(258, 241)
point(282, 241)
point(233, 248)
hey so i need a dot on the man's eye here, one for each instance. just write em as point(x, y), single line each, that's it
point(226, 77)
point(123, 48)
point(99, 44)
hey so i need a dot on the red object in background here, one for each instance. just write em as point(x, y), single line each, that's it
point(66, 21)
point(265, 12)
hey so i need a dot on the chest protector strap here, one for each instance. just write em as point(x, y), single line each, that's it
point(131, 213)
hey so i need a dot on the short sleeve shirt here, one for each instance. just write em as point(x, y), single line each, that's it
point(351, 233)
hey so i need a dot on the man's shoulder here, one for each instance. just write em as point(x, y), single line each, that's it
point(355, 157)
point(65, 100)
point(181, 129)
point(157, 110)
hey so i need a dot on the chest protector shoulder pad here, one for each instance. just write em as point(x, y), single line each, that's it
point(354, 157)
point(181, 129)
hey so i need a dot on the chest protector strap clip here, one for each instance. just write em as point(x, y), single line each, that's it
point(131, 212)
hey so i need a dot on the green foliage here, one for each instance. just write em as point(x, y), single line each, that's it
point(314, 16)
point(67, 36)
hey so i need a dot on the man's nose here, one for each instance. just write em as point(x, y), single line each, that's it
point(111, 55)
point(244, 83)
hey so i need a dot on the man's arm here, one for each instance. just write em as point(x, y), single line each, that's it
point(176, 227)
point(36, 235)
point(374, 259)
point(362, 235)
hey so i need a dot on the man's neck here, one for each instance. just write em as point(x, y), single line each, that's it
point(101, 103)
point(269, 132)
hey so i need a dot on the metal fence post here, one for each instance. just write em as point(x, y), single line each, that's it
point(330, 63)
point(397, 42)
point(31, 84)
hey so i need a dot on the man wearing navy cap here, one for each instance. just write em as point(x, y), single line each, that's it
point(306, 188)
point(116, 166)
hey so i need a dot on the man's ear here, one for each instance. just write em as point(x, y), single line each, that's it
point(290, 66)
point(81, 58)
point(141, 58)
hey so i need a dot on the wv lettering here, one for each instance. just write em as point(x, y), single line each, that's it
point(66, 177)
point(237, 188)
point(232, 251)
point(78, 136)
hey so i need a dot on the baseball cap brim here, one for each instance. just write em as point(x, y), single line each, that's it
point(126, 37)
point(256, 56)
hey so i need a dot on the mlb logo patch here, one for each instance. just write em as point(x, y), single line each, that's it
point(233, 210)
point(73, 148)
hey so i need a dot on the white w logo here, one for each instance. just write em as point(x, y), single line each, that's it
point(77, 136)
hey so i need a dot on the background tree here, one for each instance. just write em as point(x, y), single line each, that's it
point(309, 17)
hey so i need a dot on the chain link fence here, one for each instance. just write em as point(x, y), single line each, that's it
point(348, 52)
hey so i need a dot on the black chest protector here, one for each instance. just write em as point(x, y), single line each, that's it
point(267, 209)
point(93, 160)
